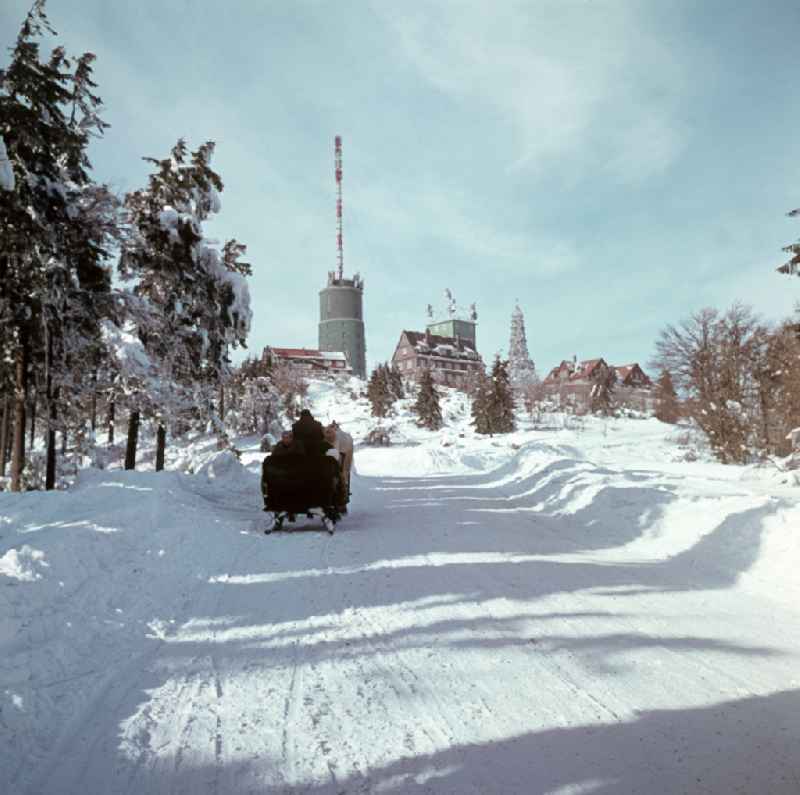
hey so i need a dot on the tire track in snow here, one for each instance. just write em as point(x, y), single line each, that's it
point(290, 712)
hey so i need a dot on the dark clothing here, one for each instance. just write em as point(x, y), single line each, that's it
point(295, 448)
point(309, 433)
point(297, 483)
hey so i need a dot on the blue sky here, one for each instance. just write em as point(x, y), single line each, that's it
point(614, 166)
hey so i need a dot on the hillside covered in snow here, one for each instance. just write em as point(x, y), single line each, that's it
point(581, 606)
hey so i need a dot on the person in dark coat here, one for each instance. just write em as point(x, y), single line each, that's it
point(288, 445)
point(309, 433)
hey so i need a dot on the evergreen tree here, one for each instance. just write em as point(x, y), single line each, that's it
point(667, 404)
point(199, 296)
point(426, 407)
point(396, 383)
point(521, 369)
point(51, 251)
point(481, 415)
point(501, 398)
point(379, 392)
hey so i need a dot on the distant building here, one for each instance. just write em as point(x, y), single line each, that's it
point(341, 320)
point(308, 361)
point(631, 375)
point(572, 383)
point(452, 360)
point(446, 347)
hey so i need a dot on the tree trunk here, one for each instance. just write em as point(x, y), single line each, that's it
point(160, 446)
point(133, 439)
point(4, 437)
point(50, 475)
point(20, 393)
point(33, 423)
point(111, 412)
point(222, 405)
point(64, 442)
point(94, 402)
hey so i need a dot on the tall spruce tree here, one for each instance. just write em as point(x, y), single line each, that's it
point(49, 250)
point(426, 406)
point(379, 392)
point(199, 295)
point(501, 398)
point(481, 415)
point(396, 382)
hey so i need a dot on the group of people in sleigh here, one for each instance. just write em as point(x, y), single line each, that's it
point(309, 468)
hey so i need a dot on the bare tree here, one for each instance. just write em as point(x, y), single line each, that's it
point(713, 360)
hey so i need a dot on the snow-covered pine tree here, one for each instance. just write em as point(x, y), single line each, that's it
point(521, 369)
point(47, 113)
point(201, 296)
point(396, 382)
point(426, 406)
point(255, 403)
point(481, 416)
point(668, 407)
point(501, 398)
point(378, 392)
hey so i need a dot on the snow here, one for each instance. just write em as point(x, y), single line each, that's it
point(6, 170)
point(168, 218)
point(126, 348)
point(19, 564)
point(571, 608)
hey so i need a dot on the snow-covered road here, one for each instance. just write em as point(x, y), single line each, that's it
point(554, 626)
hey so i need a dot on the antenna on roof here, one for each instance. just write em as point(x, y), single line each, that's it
point(337, 158)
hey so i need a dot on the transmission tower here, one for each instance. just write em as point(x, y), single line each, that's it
point(339, 242)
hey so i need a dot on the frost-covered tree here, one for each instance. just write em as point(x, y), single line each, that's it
point(426, 406)
point(715, 360)
point(379, 391)
point(493, 401)
point(200, 295)
point(258, 397)
point(51, 252)
point(396, 383)
point(521, 369)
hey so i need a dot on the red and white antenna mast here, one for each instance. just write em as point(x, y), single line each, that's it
point(339, 245)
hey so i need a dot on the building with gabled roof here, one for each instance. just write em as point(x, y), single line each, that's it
point(575, 372)
point(451, 360)
point(572, 382)
point(631, 375)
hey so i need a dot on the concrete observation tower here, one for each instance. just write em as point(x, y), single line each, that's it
point(341, 302)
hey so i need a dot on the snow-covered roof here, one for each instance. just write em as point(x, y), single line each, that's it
point(583, 371)
point(436, 345)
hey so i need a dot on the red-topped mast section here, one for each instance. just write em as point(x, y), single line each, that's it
point(339, 244)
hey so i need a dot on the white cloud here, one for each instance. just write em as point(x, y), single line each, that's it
point(581, 81)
